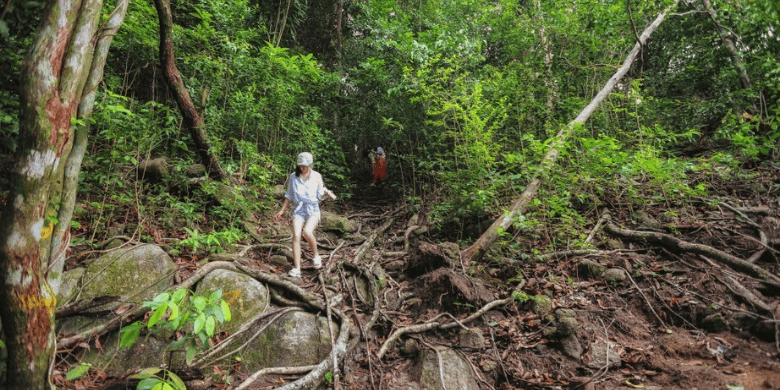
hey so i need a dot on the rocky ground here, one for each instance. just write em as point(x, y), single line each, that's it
point(660, 303)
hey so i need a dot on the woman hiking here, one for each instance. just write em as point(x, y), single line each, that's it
point(380, 170)
point(305, 190)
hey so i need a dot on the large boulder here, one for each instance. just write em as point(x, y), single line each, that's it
point(333, 222)
point(444, 368)
point(69, 286)
point(154, 170)
point(134, 274)
point(147, 351)
point(246, 296)
point(295, 339)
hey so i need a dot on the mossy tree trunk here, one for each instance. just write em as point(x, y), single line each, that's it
point(61, 73)
point(192, 120)
point(477, 250)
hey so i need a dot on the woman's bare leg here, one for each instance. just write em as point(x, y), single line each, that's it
point(308, 234)
point(296, 241)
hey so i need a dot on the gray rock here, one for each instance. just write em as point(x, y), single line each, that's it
point(279, 191)
point(147, 351)
point(471, 338)
point(296, 339)
point(333, 222)
point(245, 295)
point(444, 368)
point(715, 323)
point(154, 170)
point(135, 274)
point(542, 305)
point(70, 281)
point(602, 353)
point(195, 170)
point(571, 347)
point(615, 276)
point(590, 269)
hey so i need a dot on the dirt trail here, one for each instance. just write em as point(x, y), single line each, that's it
point(673, 323)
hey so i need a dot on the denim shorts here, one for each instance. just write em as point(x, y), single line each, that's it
point(307, 210)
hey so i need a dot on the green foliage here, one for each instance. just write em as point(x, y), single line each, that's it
point(158, 379)
point(199, 315)
point(78, 371)
point(214, 242)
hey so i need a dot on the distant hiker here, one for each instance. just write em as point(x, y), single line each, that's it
point(305, 190)
point(380, 170)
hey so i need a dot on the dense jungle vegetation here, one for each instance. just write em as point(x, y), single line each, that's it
point(465, 95)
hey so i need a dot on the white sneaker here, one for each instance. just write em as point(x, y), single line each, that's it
point(295, 273)
point(317, 260)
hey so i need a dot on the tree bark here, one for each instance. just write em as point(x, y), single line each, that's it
point(192, 120)
point(724, 37)
point(486, 240)
point(61, 68)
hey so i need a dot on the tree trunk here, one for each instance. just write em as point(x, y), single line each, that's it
point(724, 37)
point(192, 120)
point(62, 68)
point(480, 247)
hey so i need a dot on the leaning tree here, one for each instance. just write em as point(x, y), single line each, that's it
point(60, 75)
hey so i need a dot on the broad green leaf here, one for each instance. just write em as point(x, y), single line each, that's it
point(210, 326)
point(130, 334)
point(199, 302)
point(178, 295)
point(78, 371)
point(157, 315)
point(162, 386)
point(192, 349)
point(176, 344)
point(176, 382)
point(162, 297)
point(174, 310)
point(148, 383)
point(225, 311)
point(146, 373)
point(216, 295)
point(200, 322)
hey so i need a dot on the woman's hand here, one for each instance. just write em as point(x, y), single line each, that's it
point(278, 216)
point(331, 194)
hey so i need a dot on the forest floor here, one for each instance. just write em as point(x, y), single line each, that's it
point(679, 319)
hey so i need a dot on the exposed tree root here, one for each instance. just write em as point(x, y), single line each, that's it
point(675, 244)
point(419, 328)
point(370, 241)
